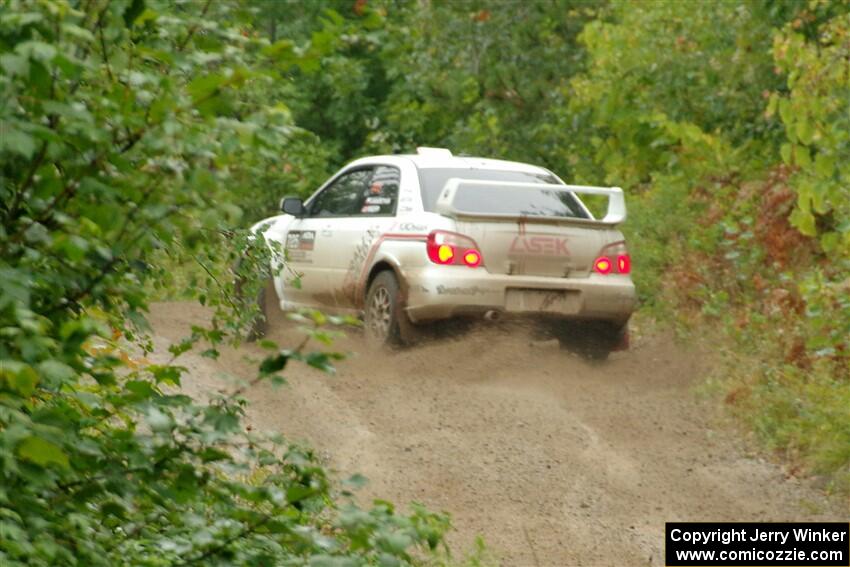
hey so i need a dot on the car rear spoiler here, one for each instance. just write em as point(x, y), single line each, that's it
point(616, 202)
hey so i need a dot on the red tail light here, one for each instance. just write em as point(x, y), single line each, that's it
point(613, 258)
point(451, 248)
point(603, 265)
point(472, 258)
point(445, 254)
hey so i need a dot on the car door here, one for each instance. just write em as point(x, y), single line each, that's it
point(328, 245)
point(310, 242)
point(356, 235)
point(320, 246)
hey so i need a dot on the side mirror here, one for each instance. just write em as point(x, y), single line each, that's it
point(293, 206)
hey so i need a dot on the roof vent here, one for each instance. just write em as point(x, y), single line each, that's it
point(434, 152)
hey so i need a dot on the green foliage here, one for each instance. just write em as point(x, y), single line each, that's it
point(817, 123)
point(827, 314)
point(799, 413)
point(337, 75)
point(488, 78)
point(386, 76)
point(131, 131)
point(671, 76)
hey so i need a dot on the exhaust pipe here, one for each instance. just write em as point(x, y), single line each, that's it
point(492, 315)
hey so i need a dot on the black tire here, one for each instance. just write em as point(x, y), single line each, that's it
point(386, 322)
point(270, 316)
point(258, 328)
point(592, 340)
point(260, 325)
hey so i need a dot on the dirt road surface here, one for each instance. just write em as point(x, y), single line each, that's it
point(552, 460)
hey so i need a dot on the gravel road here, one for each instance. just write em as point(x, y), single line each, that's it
point(554, 461)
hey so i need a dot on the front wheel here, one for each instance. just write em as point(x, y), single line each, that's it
point(267, 310)
point(385, 319)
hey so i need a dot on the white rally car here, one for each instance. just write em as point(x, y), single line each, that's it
point(405, 240)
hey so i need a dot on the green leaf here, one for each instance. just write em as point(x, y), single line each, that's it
point(221, 421)
point(140, 389)
point(14, 65)
point(804, 221)
point(133, 11)
point(805, 131)
point(20, 19)
point(77, 32)
point(159, 421)
point(298, 492)
point(772, 104)
point(15, 141)
point(397, 542)
point(42, 452)
point(785, 111)
point(18, 377)
point(211, 353)
point(182, 347)
point(114, 508)
point(37, 50)
point(282, 50)
point(40, 80)
point(802, 157)
point(37, 233)
point(56, 373)
point(356, 481)
point(830, 241)
point(322, 360)
point(785, 152)
point(275, 363)
point(334, 16)
point(168, 374)
point(824, 165)
point(205, 87)
point(74, 247)
point(147, 16)
point(210, 454)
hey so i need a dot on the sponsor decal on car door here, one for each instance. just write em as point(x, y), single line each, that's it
point(304, 279)
point(299, 246)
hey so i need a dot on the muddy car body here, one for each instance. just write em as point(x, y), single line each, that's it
point(411, 239)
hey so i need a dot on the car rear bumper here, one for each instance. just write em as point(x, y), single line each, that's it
point(442, 292)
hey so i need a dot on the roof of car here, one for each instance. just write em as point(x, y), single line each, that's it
point(470, 162)
point(443, 158)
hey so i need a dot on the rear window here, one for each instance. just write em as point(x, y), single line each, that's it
point(528, 201)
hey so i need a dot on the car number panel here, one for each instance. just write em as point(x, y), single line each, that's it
point(557, 301)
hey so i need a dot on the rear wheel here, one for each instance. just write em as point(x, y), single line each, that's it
point(385, 319)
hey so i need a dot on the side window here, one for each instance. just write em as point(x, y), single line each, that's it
point(343, 197)
point(364, 192)
point(382, 195)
